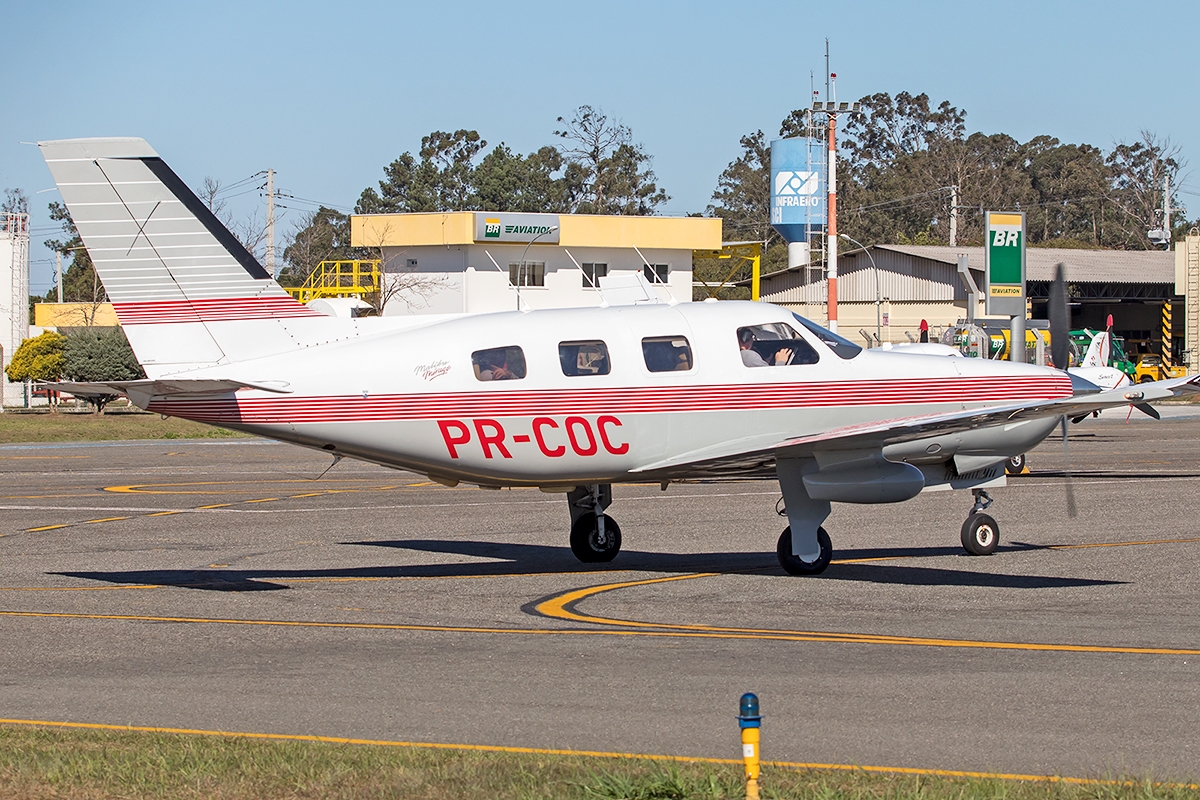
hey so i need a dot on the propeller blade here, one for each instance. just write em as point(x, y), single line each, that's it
point(1060, 319)
point(1072, 511)
point(1148, 410)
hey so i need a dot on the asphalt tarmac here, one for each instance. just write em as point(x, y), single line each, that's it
point(220, 585)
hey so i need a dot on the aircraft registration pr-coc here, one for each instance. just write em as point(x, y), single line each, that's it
point(568, 400)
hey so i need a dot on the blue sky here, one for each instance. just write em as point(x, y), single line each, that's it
point(328, 93)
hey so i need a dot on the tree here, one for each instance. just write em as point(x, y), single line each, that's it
point(321, 235)
point(398, 279)
point(1139, 172)
point(505, 181)
point(613, 174)
point(97, 355)
point(80, 282)
point(441, 181)
point(452, 154)
point(38, 359)
point(251, 231)
point(15, 202)
point(742, 198)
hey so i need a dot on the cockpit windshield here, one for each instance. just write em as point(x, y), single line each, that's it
point(843, 348)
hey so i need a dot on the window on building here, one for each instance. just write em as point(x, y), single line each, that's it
point(592, 273)
point(656, 273)
point(584, 358)
point(667, 353)
point(499, 364)
point(774, 345)
point(532, 273)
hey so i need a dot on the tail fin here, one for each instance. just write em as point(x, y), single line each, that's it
point(1098, 351)
point(186, 291)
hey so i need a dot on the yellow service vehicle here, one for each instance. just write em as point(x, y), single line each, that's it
point(1151, 368)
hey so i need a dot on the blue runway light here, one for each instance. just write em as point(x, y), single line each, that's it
point(749, 716)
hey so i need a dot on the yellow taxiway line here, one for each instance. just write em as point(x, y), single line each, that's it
point(613, 628)
point(486, 748)
point(561, 607)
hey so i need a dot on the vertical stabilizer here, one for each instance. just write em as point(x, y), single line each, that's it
point(187, 292)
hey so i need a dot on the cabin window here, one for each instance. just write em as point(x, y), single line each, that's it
point(533, 273)
point(499, 364)
point(841, 346)
point(775, 344)
point(656, 273)
point(584, 358)
point(592, 273)
point(667, 353)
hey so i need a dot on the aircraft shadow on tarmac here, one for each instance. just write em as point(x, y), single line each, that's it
point(532, 559)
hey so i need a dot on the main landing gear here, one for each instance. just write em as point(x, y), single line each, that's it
point(793, 564)
point(595, 536)
point(980, 533)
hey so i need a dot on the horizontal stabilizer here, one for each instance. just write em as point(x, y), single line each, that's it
point(143, 391)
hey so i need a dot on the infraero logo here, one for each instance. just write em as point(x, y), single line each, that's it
point(491, 229)
point(795, 183)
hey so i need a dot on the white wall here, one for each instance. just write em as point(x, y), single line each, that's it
point(474, 278)
point(14, 305)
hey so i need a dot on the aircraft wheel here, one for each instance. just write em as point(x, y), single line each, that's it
point(793, 565)
point(1015, 465)
point(980, 535)
point(586, 543)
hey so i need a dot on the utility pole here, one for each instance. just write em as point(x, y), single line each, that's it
point(832, 244)
point(271, 222)
point(1167, 209)
point(831, 108)
point(954, 216)
point(58, 272)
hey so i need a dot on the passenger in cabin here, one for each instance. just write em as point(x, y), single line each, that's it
point(751, 357)
point(496, 372)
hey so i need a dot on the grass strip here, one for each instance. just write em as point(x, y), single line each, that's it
point(114, 426)
point(50, 762)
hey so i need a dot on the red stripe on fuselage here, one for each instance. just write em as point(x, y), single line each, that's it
point(632, 400)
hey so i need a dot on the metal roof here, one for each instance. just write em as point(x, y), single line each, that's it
point(1083, 266)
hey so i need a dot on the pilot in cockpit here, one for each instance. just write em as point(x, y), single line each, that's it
point(751, 357)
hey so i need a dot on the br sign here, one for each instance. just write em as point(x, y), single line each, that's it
point(1004, 259)
point(498, 227)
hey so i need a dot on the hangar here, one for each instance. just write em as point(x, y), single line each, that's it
point(922, 282)
point(481, 261)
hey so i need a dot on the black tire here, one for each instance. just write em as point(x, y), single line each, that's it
point(585, 543)
point(793, 565)
point(1146, 379)
point(1015, 465)
point(980, 535)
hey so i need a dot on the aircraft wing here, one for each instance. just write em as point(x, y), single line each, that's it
point(761, 451)
point(142, 391)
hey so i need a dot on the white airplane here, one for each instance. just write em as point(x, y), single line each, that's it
point(1094, 366)
point(571, 400)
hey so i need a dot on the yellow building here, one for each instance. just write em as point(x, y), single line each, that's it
point(476, 261)
point(74, 315)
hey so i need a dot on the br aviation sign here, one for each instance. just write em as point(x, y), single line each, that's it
point(1004, 263)
point(503, 227)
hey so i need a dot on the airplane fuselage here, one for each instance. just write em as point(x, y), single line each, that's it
point(416, 399)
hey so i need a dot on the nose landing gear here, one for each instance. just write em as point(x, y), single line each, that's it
point(980, 532)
